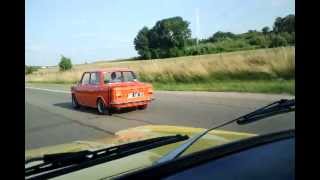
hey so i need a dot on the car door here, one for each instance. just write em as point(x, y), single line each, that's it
point(105, 86)
point(82, 89)
point(93, 89)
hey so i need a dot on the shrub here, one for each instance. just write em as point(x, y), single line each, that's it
point(65, 64)
point(289, 37)
point(277, 40)
point(256, 40)
point(30, 69)
point(174, 52)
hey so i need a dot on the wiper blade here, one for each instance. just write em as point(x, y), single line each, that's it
point(62, 163)
point(277, 107)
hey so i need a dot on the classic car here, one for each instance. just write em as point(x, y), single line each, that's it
point(109, 89)
point(175, 152)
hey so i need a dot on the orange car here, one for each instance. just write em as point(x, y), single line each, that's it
point(112, 88)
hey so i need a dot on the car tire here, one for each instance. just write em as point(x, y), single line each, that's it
point(142, 107)
point(74, 102)
point(101, 108)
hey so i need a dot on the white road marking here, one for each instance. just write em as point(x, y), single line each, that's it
point(50, 90)
point(199, 93)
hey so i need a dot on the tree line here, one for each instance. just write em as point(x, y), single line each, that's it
point(30, 69)
point(64, 65)
point(171, 37)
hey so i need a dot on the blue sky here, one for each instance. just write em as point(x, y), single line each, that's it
point(93, 30)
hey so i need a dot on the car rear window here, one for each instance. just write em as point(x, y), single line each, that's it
point(112, 77)
point(119, 76)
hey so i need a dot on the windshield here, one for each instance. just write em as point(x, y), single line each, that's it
point(101, 74)
point(228, 134)
point(235, 132)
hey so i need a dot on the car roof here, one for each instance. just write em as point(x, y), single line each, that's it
point(110, 70)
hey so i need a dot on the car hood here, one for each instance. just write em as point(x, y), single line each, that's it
point(143, 159)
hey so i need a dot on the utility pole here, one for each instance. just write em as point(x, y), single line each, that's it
point(197, 26)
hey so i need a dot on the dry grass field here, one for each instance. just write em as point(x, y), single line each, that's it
point(276, 65)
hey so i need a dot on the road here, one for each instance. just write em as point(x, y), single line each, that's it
point(50, 119)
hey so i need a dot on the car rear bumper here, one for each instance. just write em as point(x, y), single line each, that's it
point(130, 104)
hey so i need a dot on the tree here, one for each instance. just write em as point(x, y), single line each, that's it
point(192, 42)
point(163, 38)
point(265, 30)
point(170, 33)
point(155, 53)
point(277, 24)
point(175, 52)
point(252, 31)
point(65, 64)
point(219, 36)
point(286, 24)
point(141, 43)
point(293, 36)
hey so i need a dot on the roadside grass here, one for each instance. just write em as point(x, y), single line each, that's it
point(253, 86)
point(48, 85)
point(270, 87)
point(264, 70)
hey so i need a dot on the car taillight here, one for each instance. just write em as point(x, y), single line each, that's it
point(118, 94)
point(150, 91)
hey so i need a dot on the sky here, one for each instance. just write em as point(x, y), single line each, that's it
point(95, 30)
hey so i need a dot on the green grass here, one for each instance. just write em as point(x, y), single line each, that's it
point(253, 86)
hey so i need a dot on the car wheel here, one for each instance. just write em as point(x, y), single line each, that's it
point(142, 107)
point(75, 103)
point(101, 108)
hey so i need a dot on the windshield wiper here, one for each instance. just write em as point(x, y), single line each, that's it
point(278, 107)
point(61, 163)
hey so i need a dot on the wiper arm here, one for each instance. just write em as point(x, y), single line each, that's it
point(277, 107)
point(62, 163)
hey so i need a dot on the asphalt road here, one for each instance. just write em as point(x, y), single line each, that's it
point(51, 120)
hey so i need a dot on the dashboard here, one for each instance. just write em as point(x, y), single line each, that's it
point(264, 157)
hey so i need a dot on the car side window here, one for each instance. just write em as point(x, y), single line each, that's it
point(116, 76)
point(128, 76)
point(107, 77)
point(85, 79)
point(94, 80)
